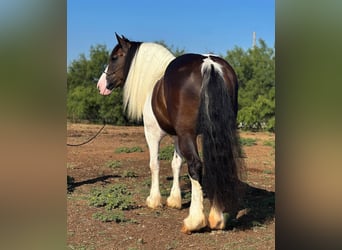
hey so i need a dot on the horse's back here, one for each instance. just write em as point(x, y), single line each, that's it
point(176, 97)
point(184, 73)
point(184, 70)
point(182, 83)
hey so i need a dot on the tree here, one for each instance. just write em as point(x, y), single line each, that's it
point(83, 71)
point(255, 69)
point(83, 99)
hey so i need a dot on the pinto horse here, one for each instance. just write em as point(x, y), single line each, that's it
point(184, 97)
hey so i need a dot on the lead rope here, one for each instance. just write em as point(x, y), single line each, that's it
point(90, 139)
point(104, 122)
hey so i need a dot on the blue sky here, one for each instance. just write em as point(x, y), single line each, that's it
point(198, 26)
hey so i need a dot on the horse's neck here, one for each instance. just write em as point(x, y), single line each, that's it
point(147, 67)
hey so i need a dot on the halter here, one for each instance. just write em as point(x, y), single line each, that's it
point(108, 74)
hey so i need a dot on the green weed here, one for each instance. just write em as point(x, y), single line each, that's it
point(269, 143)
point(248, 141)
point(186, 195)
point(113, 197)
point(165, 191)
point(128, 150)
point(268, 171)
point(113, 164)
point(166, 153)
point(147, 182)
point(130, 174)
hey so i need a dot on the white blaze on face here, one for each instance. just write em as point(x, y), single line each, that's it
point(102, 83)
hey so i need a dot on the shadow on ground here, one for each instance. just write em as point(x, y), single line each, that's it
point(257, 208)
point(72, 184)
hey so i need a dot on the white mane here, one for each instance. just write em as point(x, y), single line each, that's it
point(147, 67)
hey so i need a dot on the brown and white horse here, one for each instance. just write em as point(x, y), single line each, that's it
point(185, 96)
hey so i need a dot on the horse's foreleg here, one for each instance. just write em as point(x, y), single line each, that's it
point(175, 200)
point(153, 135)
point(154, 199)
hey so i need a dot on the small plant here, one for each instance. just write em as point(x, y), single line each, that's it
point(130, 174)
point(248, 141)
point(186, 195)
point(164, 191)
point(116, 216)
point(113, 164)
point(113, 197)
point(147, 182)
point(166, 153)
point(268, 171)
point(269, 143)
point(128, 150)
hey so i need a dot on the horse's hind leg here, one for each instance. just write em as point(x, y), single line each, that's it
point(216, 219)
point(175, 200)
point(196, 218)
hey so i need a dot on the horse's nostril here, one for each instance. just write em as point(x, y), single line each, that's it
point(110, 86)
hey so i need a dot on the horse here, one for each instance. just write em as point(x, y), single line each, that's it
point(183, 97)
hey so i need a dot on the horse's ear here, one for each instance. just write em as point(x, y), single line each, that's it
point(117, 37)
point(123, 41)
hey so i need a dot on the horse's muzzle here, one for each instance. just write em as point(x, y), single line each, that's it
point(110, 86)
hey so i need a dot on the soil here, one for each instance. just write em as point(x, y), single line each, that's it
point(145, 228)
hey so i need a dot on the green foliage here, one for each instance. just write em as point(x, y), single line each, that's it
point(113, 164)
point(113, 197)
point(256, 74)
point(128, 150)
point(255, 68)
point(269, 143)
point(83, 100)
point(166, 153)
point(247, 141)
point(130, 174)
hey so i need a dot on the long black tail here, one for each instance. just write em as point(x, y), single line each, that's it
point(217, 120)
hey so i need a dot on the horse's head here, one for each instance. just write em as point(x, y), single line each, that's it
point(116, 72)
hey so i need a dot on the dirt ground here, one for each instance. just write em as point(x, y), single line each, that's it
point(89, 166)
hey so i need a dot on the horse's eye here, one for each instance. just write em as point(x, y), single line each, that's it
point(114, 58)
